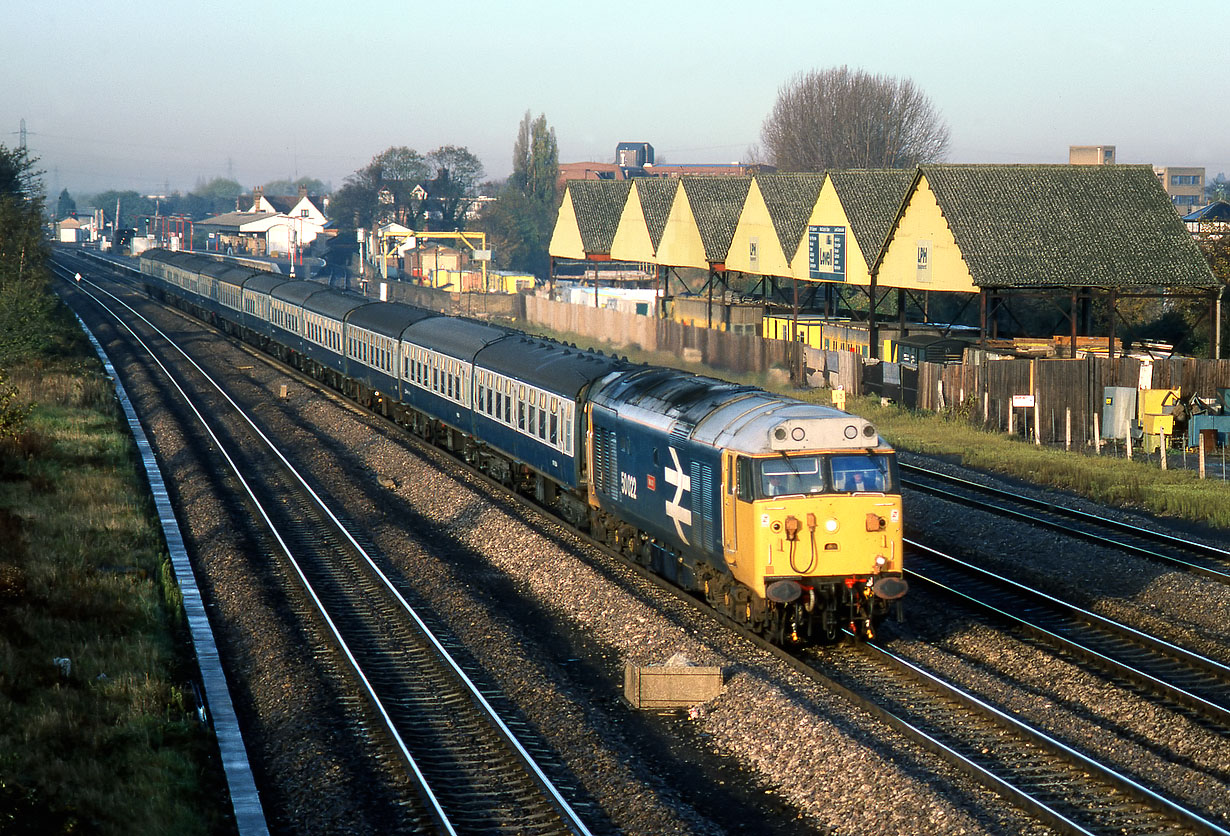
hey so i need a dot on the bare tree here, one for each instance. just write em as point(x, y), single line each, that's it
point(843, 118)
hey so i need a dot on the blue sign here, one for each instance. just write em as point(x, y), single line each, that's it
point(826, 253)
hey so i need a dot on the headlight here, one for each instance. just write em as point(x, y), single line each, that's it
point(830, 526)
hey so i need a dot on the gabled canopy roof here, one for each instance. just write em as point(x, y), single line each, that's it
point(871, 199)
point(716, 203)
point(656, 195)
point(598, 205)
point(1065, 226)
point(789, 199)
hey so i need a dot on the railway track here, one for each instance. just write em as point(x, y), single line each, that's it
point(1179, 675)
point(1199, 558)
point(469, 767)
point(1067, 789)
point(1050, 780)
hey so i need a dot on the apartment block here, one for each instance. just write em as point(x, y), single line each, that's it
point(1091, 155)
point(1184, 184)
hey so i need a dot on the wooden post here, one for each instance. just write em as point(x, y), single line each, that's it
point(1067, 428)
point(1200, 455)
point(1097, 436)
point(1011, 415)
point(1037, 419)
point(1129, 443)
point(1161, 446)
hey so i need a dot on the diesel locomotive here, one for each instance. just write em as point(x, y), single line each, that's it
point(784, 515)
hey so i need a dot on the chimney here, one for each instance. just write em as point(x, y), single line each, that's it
point(257, 194)
point(302, 192)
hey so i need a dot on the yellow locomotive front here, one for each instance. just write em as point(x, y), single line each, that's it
point(814, 533)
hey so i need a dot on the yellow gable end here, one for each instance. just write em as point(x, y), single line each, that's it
point(755, 247)
point(922, 254)
point(681, 245)
point(566, 238)
point(830, 215)
point(632, 241)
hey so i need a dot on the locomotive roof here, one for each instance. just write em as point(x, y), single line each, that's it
point(388, 318)
point(764, 423)
point(457, 337)
point(730, 416)
point(674, 399)
point(334, 304)
point(549, 365)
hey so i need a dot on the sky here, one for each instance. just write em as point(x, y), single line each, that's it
point(169, 95)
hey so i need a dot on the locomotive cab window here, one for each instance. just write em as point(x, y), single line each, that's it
point(864, 472)
point(744, 483)
point(791, 475)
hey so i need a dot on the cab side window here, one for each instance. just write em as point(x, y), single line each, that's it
point(744, 484)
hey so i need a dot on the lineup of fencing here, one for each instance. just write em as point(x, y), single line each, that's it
point(1065, 394)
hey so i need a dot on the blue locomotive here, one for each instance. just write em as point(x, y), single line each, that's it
point(784, 515)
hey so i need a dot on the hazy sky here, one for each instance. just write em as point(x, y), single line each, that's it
point(148, 95)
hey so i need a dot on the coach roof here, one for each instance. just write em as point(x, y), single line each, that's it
point(548, 365)
point(457, 337)
point(388, 318)
point(334, 304)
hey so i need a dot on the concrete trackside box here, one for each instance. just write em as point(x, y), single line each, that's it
point(671, 686)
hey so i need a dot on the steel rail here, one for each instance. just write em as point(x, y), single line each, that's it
point(573, 819)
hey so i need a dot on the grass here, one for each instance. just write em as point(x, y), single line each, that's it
point(1107, 479)
point(110, 744)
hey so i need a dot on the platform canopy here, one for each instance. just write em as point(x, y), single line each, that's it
point(588, 218)
point(973, 227)
point(962, 228)
point(772, 222)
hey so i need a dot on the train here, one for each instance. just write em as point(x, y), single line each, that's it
point(785, 516)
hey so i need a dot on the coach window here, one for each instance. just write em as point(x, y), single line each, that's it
point(554, 438)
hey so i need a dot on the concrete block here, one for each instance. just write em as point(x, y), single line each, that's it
point(671, 686)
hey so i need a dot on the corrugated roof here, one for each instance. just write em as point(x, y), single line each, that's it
point(790, 199)
point(1066, 226)
point(657, 195)
point(871, 198)
point(717, 203)
point(598, 205)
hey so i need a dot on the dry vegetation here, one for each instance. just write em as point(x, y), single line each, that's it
point(97, 730)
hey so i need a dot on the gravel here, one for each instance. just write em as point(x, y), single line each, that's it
point(553, 623)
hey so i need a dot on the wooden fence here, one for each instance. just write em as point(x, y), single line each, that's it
point(1061, 389)
point(981, 388)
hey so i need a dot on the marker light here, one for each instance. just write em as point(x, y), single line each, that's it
point(830, 525)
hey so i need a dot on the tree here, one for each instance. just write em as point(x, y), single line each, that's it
point(843, 118)
point(65, 207)
point(522, 217)
point(395, 171)
point(457, 175)
point(27, 306)
point(290, 188)
point(19, 176)
point(536, 160)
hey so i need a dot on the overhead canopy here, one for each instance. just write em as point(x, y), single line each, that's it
point(940, 227)
point(967, 227)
